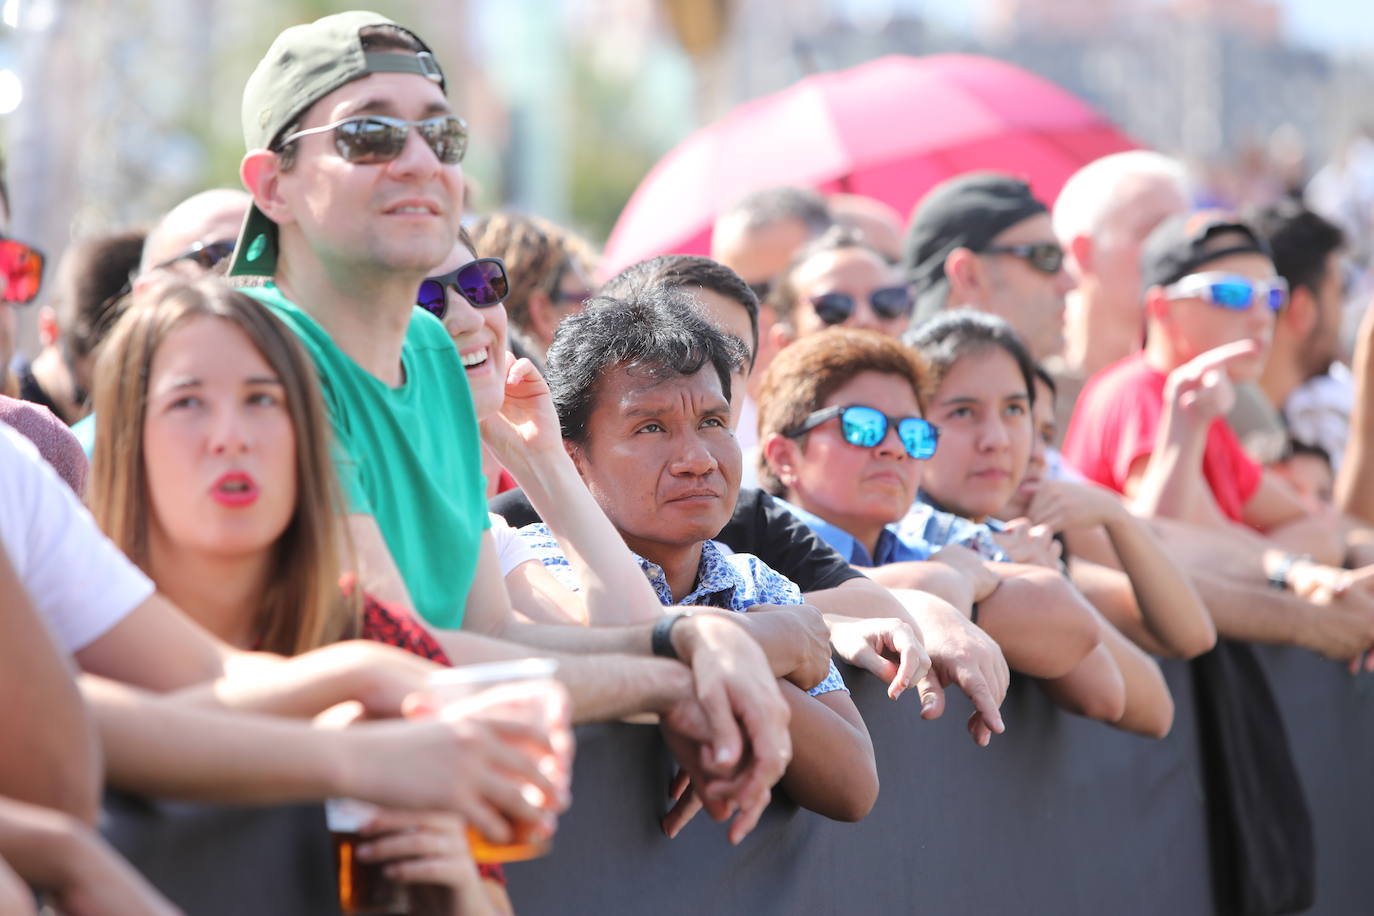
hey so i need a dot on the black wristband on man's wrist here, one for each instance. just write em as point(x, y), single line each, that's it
point(661, 642)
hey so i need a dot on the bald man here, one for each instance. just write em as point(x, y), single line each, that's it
point(191, 230)
point(879, 223)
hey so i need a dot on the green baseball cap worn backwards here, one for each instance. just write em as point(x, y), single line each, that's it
point(303, 65)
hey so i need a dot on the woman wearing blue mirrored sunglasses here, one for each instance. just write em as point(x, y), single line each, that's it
point(867, 427)
point(843, 437)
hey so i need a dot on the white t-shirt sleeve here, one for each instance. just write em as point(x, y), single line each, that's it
point(511, 549)
point(75, 576)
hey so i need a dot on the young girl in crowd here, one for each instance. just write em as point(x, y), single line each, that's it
point(1135, 585)
point(982, 396)
point(212, 472)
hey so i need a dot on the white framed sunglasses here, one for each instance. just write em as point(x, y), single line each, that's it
point(1231, 291)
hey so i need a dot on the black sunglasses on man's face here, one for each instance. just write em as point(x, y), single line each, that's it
point(1046, 257)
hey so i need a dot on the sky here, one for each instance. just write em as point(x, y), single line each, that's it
point(1338, 26)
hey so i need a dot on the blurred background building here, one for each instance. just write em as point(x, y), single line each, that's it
point(112, 111)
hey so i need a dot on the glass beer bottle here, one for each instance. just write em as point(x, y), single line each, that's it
point(364, 888)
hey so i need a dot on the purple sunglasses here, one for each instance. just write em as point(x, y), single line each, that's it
point(482, 282)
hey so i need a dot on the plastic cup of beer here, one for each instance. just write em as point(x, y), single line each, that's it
point(523, 691)
point(364, 888)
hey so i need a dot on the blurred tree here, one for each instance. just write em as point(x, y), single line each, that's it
point(610, 150)
point(700, 25)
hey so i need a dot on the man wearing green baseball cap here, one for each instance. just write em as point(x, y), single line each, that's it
point(350, 212)
point(353, 163)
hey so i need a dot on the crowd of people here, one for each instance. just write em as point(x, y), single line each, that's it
point(297, 447)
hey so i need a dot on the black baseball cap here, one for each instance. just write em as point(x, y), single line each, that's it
point(967, 211)
point(1185, 242)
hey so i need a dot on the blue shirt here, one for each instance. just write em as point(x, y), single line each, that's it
point(924, 522)
point(736, 583)
point(893, 545)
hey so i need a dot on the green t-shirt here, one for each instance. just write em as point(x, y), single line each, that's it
point(410, 457)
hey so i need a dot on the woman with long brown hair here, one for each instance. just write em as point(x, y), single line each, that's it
point(155, 390)
point(212, 472)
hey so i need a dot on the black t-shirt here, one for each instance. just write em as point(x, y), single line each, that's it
point(759, 526)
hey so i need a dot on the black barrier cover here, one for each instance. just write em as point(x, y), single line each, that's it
point(1330, 720)
point(213, 860)
point(1058, 816)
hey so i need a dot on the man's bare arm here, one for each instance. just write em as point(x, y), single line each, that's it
point(1229, 569)
point(526, 438)
point(53, 758)
point(158, 647)
point(1168, 482)
point(1355, 482)
point(156, 745)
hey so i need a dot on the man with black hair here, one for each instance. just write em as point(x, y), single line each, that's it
point(93, 273)
point(722, 298)
point(1304, 380)
point(959, 653)
point(645, 416)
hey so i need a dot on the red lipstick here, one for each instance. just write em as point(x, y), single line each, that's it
point(235, 489)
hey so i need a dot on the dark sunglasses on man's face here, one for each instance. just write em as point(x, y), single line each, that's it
point(21, 272)
point(888, 303)
point(205, 255)
point(867, 427)
point(483, 283)
point(374, 139)
point(1046, 257)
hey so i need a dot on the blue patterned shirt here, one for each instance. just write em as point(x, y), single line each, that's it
point(736, 583)
point(893, 545)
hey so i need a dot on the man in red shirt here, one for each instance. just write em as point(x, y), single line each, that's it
point(1151, 425)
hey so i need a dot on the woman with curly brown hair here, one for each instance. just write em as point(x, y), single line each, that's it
point(550, 274)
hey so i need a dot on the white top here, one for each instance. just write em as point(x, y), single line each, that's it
point(747, 429)
point(1056, 468)
point(747, 435)
point(511, 549)
point(74, 575)
point(1318, 411)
